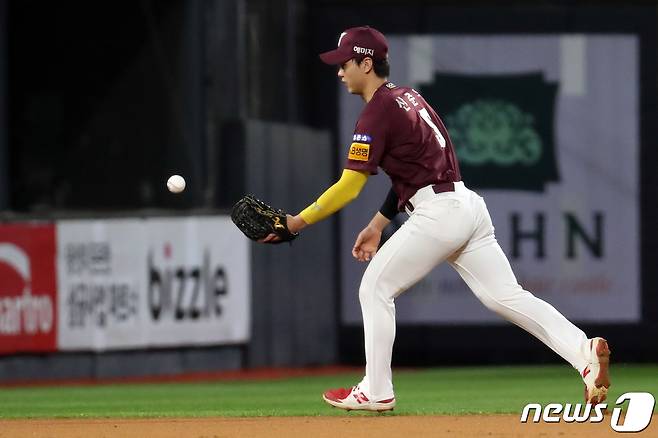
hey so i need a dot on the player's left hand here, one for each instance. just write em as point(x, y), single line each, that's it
point(366, 244)
point(294, 224)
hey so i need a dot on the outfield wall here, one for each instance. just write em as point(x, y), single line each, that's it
point(157, 295)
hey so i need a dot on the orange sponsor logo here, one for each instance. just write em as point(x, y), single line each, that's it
point(359, 152)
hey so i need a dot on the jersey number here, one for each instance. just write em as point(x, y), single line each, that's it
point(426, 116)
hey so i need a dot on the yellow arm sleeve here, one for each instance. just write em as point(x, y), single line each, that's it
point(346, 189)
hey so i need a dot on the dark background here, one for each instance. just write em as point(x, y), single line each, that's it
point(101, 101)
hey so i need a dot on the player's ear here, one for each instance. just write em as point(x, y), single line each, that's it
point(367, 65)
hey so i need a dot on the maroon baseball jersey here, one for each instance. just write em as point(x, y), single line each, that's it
point(399, 132)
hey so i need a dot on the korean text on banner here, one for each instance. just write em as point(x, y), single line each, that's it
point(154, 282)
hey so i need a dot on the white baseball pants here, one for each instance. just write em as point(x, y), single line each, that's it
point(453, 226)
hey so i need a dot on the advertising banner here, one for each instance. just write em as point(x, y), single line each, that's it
point(101, 277)
point(198, 286)
point(28, 303)
point(546, 128)
point(152, 282)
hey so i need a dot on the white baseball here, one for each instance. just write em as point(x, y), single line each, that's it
point(176, 183)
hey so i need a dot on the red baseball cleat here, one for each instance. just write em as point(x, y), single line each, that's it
point(596, 375)
point(352, 399)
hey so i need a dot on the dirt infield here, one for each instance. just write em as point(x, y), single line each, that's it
point(318, 427)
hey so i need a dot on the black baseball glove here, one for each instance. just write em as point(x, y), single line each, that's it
point(257, 220)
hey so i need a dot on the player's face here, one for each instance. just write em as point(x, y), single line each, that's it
point(352, 76)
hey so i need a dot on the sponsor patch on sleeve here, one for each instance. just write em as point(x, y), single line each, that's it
point(359, 152)
point(362, 138)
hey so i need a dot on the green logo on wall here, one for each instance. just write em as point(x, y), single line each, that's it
point(501, 127)
point(494, 131)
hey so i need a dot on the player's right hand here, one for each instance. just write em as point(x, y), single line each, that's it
point(366, 244)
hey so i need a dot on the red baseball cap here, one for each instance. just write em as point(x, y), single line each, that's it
point(357, 42)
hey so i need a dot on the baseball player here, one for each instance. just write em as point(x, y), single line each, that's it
point(399, 132)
